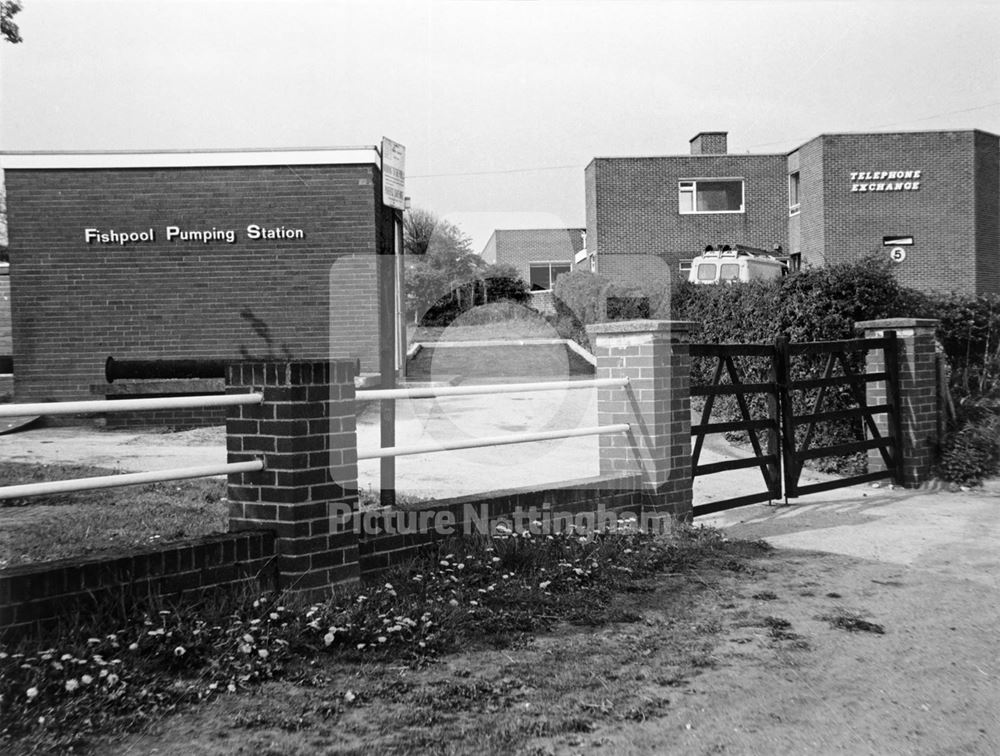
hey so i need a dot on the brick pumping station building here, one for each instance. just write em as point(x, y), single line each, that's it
point(192, 255)
point(929, 201)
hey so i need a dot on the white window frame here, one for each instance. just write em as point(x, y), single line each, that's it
point(550, 263)
point(793, 208)
point(691, 184)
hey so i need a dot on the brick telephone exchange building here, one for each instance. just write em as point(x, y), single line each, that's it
point(928, 200)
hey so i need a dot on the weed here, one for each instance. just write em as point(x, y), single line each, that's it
point(853, 623)
point(780, 629)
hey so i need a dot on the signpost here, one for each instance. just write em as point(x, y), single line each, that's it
point(393, 174)
point(390, 299)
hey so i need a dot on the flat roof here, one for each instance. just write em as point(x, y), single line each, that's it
point(364, 155)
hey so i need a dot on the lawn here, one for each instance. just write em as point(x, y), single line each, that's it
point(85, 523)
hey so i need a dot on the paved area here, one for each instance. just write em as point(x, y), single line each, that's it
point(955, 535)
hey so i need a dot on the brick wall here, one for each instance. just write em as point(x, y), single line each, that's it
point(632, 206)
point(941, 215)
point(6, 346)
point(806, 228)
point(298, 517)
point(35, 595)
point(918, 394)
point(305, 431)
point(489, 253)
point(654, 356)
point(75, 303)
point(987, 187)
point(522, 247)
point(381, 548)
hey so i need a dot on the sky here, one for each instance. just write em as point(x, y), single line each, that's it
point(500, 105)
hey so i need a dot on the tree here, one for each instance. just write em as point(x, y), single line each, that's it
point(424, 232)
point(8, 9)
point(442, 272)
point(502, 282)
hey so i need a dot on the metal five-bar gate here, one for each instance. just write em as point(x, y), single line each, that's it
point(787, 398)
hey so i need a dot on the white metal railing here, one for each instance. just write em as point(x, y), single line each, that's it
point(127, 405)
point(511, 438)
point(126, 479)
point(101, 406)
point(431, 392)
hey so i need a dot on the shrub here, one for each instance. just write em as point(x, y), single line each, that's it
point(820, 304)
point(583, 298)
point(971, 451)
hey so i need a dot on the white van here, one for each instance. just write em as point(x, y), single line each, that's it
point(734, 266)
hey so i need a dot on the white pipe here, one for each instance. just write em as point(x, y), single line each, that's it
point(128, 479)
point(513, 438)
point(510, 388)
point(127, 405)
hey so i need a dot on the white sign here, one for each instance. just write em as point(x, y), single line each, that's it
point(897, 254)
point(393, 174)
point(897, 241)
point(885, 181)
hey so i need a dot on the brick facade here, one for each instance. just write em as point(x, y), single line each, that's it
point(305, 431)
point(918, 393)
point(632, 207)
point(953, 217)
point(654, 356)
point(33, 596)
point(522, 247)
point(6, 345)
point(75, 303)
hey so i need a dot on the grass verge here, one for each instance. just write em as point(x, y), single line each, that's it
point(108, 675)
point(59, 526)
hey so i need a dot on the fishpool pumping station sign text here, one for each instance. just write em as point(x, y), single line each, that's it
point(253, 232)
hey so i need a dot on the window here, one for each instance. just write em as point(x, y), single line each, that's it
point(729, 272)
point(706, 271)
point(793, 193)
point(710, 196)
point(542, 276)
point(684, 266)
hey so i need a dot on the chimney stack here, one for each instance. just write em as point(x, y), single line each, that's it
point(709, 143)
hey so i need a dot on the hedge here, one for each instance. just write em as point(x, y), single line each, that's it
point(823, 304)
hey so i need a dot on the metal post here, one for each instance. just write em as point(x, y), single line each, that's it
point(387, 358)
point(783, 370)
point(773, 432)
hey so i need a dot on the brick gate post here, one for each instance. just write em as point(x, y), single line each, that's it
point(917, 393)
point(305, 431)
point(654, 356)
